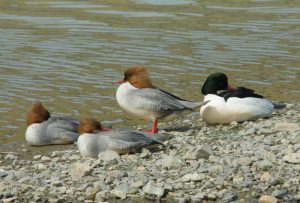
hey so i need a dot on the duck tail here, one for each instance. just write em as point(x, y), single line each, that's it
point(278, 105)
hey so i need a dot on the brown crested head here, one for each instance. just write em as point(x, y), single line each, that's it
point(138, 77)
point(37, 114)
point(89, 125)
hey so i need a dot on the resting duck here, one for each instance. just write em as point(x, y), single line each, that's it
point(44, 129)
point(138, 96)
point(233, 104)
point(94, 139)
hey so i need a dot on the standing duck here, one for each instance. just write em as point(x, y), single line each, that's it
point(233, 104)
point(44, 129)
point(138, 96)
point(94, 139)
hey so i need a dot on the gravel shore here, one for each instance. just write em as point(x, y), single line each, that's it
point(242, 162)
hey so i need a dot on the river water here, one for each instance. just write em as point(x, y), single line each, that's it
point(68, 53)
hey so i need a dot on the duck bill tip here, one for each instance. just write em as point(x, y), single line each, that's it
point(231, 88)
point(118, 82)
point(105, 129)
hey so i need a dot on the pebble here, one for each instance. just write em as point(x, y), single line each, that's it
point(171, 162)
point(120, 191)
point(285, 126)
point(193, 177)
point(79, 170)
point(267, 199)
point(11, 156)
point(92, 191)
point(154, 189)
point(37, 157)
point(199, 152)
point(265, 177)
point(109, 156)
point(41, 167)
point(292, 158)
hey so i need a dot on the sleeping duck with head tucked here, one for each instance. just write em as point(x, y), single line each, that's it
point(44, 129)
point(94, 139)
point(232, 104)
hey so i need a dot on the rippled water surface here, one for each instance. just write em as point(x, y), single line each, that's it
point(68, 53)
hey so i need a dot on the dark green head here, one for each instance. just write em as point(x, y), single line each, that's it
point(215, 82)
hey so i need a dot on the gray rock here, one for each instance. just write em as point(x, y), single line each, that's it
point(199, 196)
point(292, 158)
point(11, 156)
point(137, 184)
point(62, 190)
point(118, 174)
point(8, 200)
point(3, 173)
point(111, 157)
point(285, 126)
point(171, 162)
point(145, 153)
point(56, 183)
point(193, 177)
point(199, 152)
point(102, 185)
point(279, 193)
point(250, 131)
point(264, 165)
point(230, 198)
point(92, 191)
point(45, 159)
point(120, 191)
point(79, 170)
point(245, 161)
point(41, 167)
point(154, 189)
point(100, 196)
point(20, 174)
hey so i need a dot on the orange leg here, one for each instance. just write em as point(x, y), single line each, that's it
point(154, 128)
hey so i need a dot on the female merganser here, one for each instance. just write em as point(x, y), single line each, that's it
point(138, 96)
point(93, 140)
point(44, 129)
point(233, 104)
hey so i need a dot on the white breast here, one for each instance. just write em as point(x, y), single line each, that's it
point(234, 109)
point(36, 134)
point(88, 145)
point(129, 102)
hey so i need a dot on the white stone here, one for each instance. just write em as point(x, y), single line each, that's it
point(154, 189)
point(285, 126)
point(37, 157)
point(267, 199)
point(45, 159)
point(109, 156)
point(79, 170)
point(120, 191)
point(292, 158)
point(92, 191)
point(11, 156)
point(199, 152)
point(193, 177)
point(171, 162)
point(41, 167)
